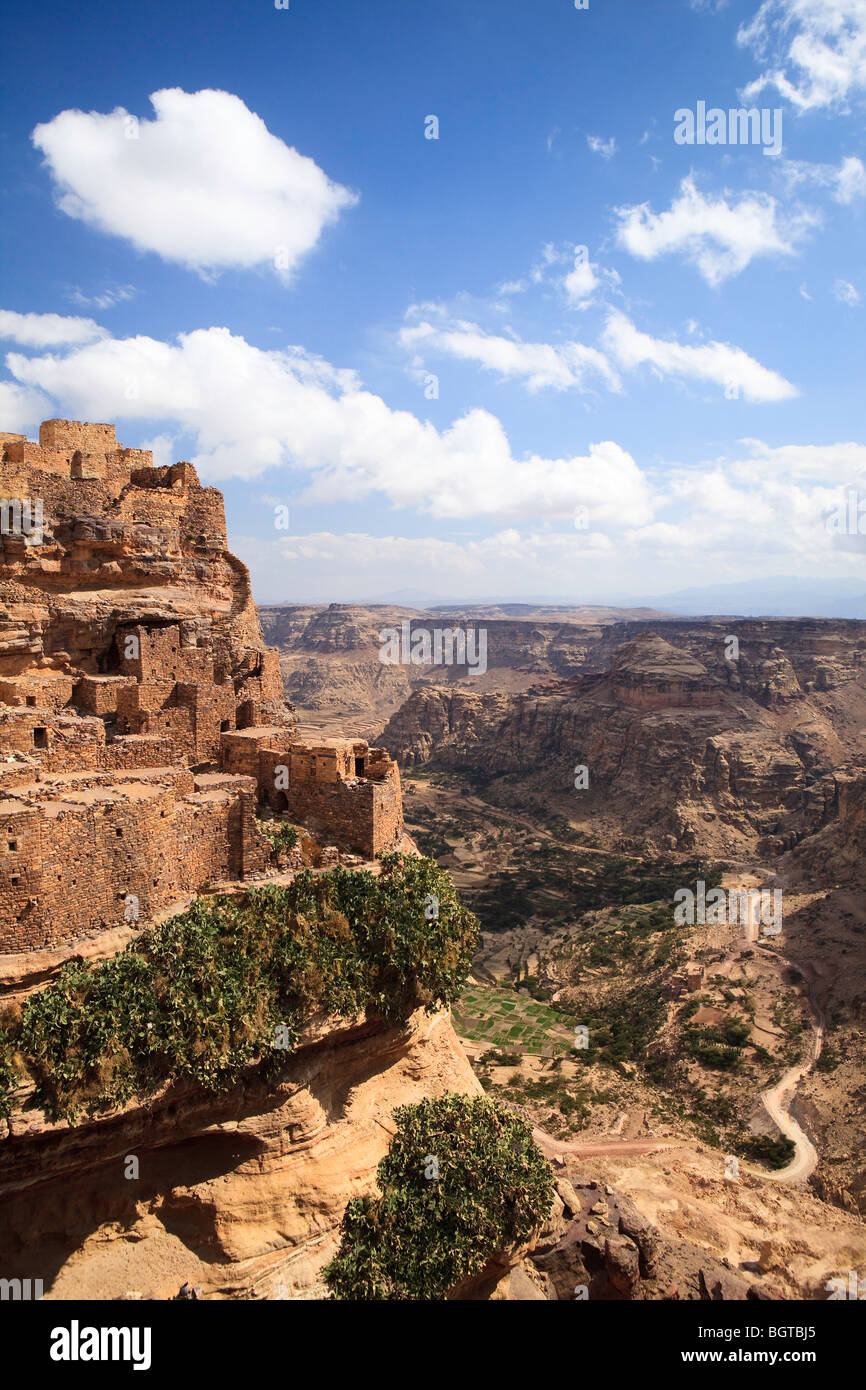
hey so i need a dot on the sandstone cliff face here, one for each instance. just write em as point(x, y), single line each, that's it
point(729, 755)
point(242, 1194)
point(122, 543)
point(330, 656)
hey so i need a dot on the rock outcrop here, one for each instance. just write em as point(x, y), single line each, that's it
point(241, 1194)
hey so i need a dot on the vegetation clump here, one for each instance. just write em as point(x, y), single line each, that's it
point(463, 1179)
point(234, 980)
point(282, 836)
point(775, 1153)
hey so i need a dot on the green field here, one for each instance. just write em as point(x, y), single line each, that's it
point(502, 1018)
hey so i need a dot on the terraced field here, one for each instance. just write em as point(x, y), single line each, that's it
point(502, 1018)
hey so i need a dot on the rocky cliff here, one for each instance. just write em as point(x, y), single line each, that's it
point(241, 1194)
point(681, 744)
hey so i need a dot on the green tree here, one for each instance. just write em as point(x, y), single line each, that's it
point(463, 1179)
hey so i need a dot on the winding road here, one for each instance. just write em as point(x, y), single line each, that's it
point(776, 1100)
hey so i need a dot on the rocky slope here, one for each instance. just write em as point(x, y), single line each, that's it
point(331, 667)
point(682, 747)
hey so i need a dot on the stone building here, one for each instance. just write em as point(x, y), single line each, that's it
point(142, 718)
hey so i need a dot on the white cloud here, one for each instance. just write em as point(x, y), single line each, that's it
point(845, 292)
point(560, 366)
point(247, 409)
point(251, 409)
point(847, 183)
point(720, 237)
point(606, 148)
point(825, 463)
point(851, 180)
point(580, 282)
point(726, 366)
point(205, 184)
point(106, 299)
point(21, 407)
point(815, 50)
point(47, 330)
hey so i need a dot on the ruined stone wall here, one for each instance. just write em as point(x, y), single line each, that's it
point(78, 434)
point(72, 869)
point(130, 653)
point(364, 816)
point(62, 741)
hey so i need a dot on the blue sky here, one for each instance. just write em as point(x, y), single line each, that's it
point(552, 352)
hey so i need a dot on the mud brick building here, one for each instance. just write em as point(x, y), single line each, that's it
point(142, 719)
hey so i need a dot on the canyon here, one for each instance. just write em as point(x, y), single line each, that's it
point(167, 747)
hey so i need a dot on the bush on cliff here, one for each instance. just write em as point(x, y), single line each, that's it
point(235, 979)
point(463, 1178)
point(8, 1079)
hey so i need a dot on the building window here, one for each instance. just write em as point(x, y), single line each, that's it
point(359, 767)
point(13, 844)
point(40, 738)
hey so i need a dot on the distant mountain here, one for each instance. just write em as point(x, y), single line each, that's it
point(787, 597)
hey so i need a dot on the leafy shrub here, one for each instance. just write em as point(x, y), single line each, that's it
point(829, 1059)
point(8, 1079)
point(424, 1235)
point(203, 995)
point(281, 835)
point(775, 1153)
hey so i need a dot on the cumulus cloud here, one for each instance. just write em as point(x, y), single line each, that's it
point(250, 409)
point(247, 409)
point(560, 366)
point(825, 463)
point(717, 235)
point(815, 50)
point(21, 407)
point(47, 330)
point(726, 366)
point(205, 184)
